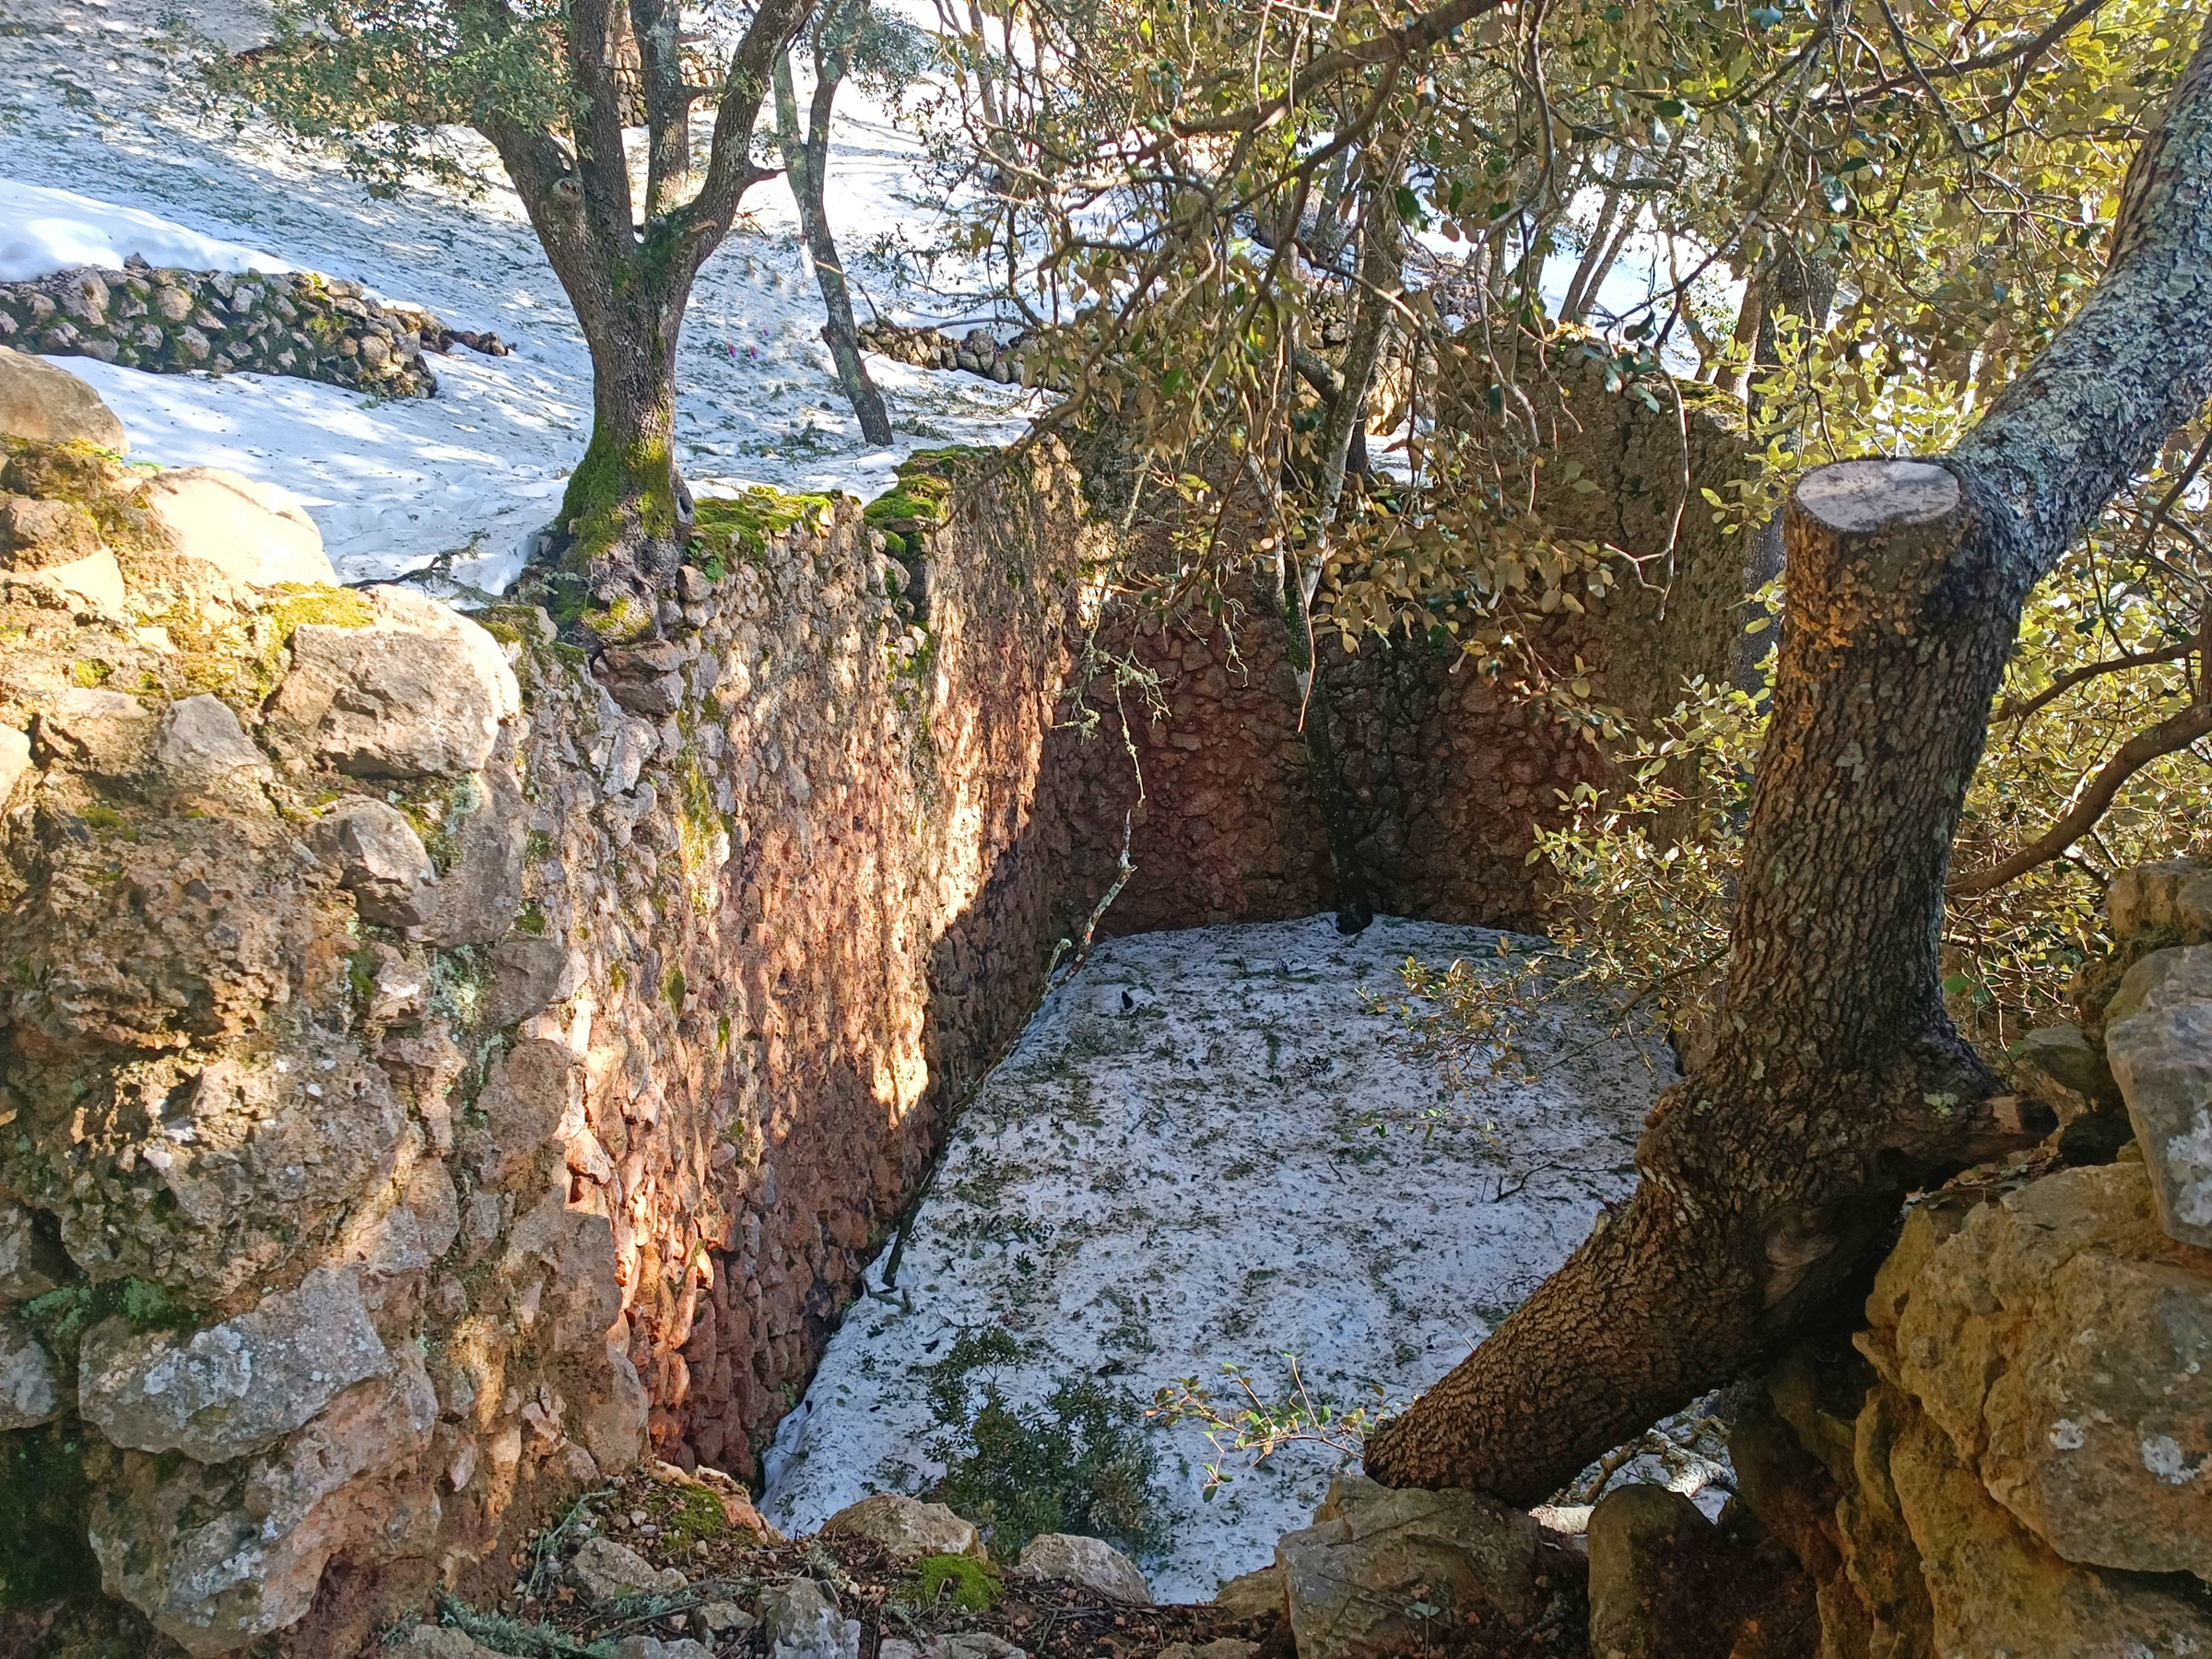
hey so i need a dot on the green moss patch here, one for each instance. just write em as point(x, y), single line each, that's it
point(727, 528)
point(950, 1581)
point(685, 1514)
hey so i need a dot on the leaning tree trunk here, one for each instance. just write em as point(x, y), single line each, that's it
point(807, 166)
point(1838, 1085)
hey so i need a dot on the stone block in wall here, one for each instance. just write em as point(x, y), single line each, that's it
point(2057, 1337)
point(2158, 1040)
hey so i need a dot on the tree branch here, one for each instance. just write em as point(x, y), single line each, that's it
point(2089, 671)
point(2169, 736)
point(1426, 29)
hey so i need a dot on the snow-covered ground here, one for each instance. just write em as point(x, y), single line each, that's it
point(1203, 1151)
point(98, 98)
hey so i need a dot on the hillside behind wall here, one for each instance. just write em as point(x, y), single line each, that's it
point(440, 1070)
point(1445, 774)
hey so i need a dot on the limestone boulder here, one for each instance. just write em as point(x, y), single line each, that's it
point(2059, 1339)
point(52, 555)
point(645, 680)
point(654, 1647)
point(530, 974)
point(254, 533)
point(89, 588)
point(527, 1095)
point(2066, 1056)
point(1091, 1562)
point(1352, 1580)
point(420, 692)
point(218, 1556)
point(1251, 1595)
point(1996, 1588)
point(1651, 1564)
point(49, 405)
point(614, 1412)
point(30, 1263)
point(198, 744)
point(236, 1387)
point(381, 860)
point(582, 1294)
point(605, 1570)
point(907, 1528)
point(15, 759)
point(2168, 895)
point(102, 733)
point(2158, 1036)
point(436, 1641)
point(801, 1620)
point(30, 1389)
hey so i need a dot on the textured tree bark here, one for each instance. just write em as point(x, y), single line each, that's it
point(1837, 1086)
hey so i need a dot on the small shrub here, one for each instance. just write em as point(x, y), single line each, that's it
point(974, 1584)
point(1080, 1464)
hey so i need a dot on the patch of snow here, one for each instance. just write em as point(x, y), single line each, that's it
point(44, 231)
point(100, 105)
point(1206, 1151)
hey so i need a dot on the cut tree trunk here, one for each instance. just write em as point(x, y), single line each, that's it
point(1837, 1085)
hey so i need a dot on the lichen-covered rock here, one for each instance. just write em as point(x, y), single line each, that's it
point(252, 532)
point(2061, 1339)
point(218, 1556)
point(1374, 1554)
point(48, 405)
point(235, 1387)
point(907, 1527)
point(480, 892)
point(2158, 1036)
point(381, 861)
point(606, 1571)
point(801, 1620)
point(420, 693)
point(30, 1392)
point(1091, 1562)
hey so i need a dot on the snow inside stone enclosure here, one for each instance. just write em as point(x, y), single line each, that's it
point(97, 100)
point(1205, 1149)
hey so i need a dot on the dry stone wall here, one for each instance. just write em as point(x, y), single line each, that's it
point(295, 323)
point(1445, 774)
point(438, 1069)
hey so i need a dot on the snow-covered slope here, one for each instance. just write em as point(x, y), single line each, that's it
point(1203, 1151)
point(96, 99)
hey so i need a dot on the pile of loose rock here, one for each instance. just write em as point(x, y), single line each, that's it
point(294, 323)
point(671, 1565)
